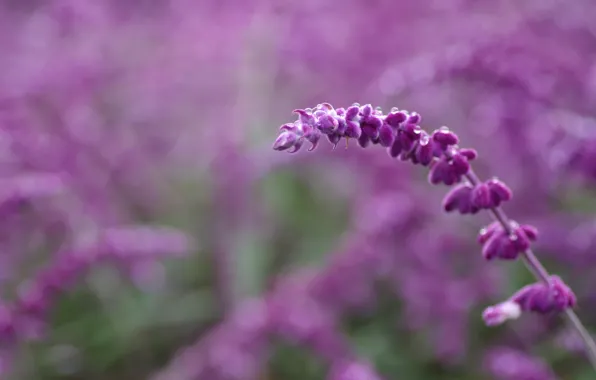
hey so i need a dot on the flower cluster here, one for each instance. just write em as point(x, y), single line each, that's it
point(400, 133)
point(506, 244)
point(539, 298)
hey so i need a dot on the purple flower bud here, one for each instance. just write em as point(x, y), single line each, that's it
point(334, 139)
point(305, 117)
point(352, 113)
point(341, 126)
point(530, 231)
point(363, 140)
point(414, 118)
point(297, 146)
point(487, 232)
point(460, 198)
point(370, 131)
point(470, 154)
point(353, 130)
point(498, 244)
point(386, 135)
point(445, 137)
point(366, 111)
point(406, 142)
point(371, 125)
point(327, 124)
point(461, 166)
point(285, 141)
point(412, 130)
point(312, 135)
point(499, 192)
point(396, 118)
point(481, 197)
point(395, 148)
point(424, 150)
point(442, 171)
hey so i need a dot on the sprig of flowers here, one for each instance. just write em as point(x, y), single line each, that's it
point(400, 133)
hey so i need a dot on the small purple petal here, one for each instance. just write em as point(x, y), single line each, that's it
point(386, 135)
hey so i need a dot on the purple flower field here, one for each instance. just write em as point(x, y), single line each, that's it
point(297, 190)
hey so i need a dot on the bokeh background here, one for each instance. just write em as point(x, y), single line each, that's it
point(149, 231)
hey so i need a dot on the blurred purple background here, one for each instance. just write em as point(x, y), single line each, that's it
point(149, 231)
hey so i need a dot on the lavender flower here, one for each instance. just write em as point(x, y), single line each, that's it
point(449, 165)
point(506, 244)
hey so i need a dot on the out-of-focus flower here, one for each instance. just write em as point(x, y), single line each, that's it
point(508, 364)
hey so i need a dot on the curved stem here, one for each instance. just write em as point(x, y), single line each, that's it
point(539, 271)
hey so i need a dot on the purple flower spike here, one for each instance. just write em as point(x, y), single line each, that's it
point(460, 198)
point(499, 192)
point(399, 131)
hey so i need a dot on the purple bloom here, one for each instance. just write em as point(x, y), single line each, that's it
point(505, 245)
point(538, 298)
point(460, 198)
